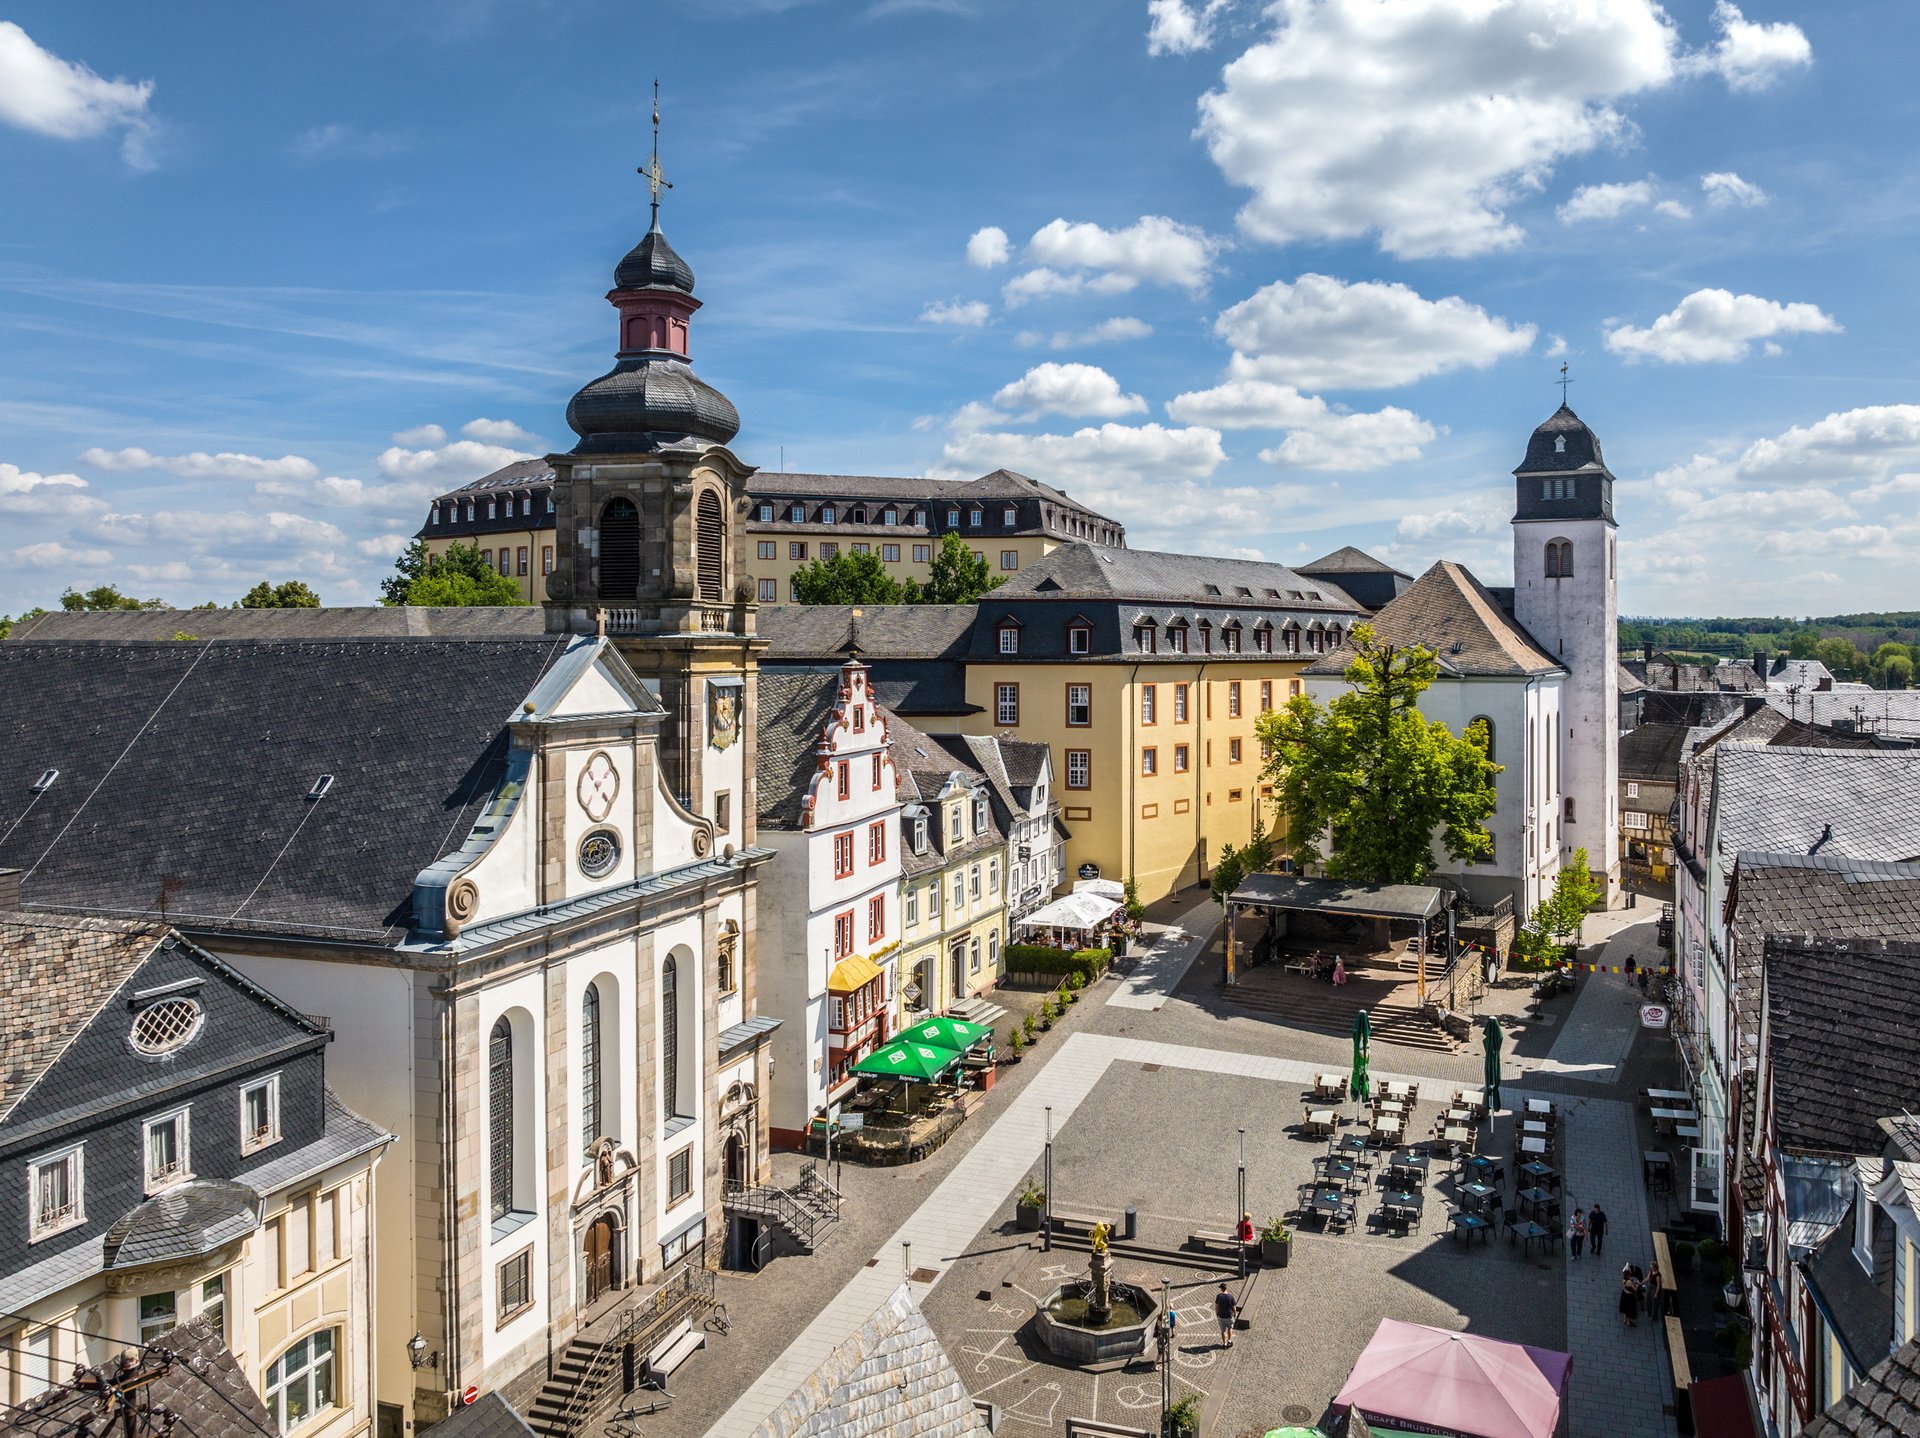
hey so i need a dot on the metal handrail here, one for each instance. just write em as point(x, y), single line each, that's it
point(780, 1205)
point(693, 1287)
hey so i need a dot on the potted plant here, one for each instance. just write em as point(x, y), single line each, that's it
point(1027, 1205)
point(1016, 1041)
point(1182, 1419)
point(1276, 1243)
point(1683, 1256)
point(1028, 1025)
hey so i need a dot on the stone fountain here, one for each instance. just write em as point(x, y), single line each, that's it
point(1095, 1320)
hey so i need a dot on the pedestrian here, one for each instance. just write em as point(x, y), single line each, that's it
point(1629, 1297)
point(1224, 1309)
point(1653, 1295)
point(1244, 1233)
point(1597, 1228)
point(1577, 1231)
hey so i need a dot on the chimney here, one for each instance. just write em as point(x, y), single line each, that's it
point(1760, 664)
point(9, 888)
point(1646, 654)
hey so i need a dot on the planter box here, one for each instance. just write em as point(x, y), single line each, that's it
point(1275, 1255)
point(1028, 1219)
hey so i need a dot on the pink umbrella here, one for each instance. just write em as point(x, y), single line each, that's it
point(1434, 1381)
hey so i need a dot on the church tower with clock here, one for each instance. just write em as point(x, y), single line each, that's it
point(650, 533)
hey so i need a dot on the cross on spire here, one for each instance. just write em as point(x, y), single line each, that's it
point(656, 182)
point(1563, 381)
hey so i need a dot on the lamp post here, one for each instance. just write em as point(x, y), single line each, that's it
point(1046, 1189)
point(1166, 1350)
point(1243, 1202)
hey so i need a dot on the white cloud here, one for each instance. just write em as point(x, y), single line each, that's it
point(24, 492)
point(421, 435)
point(1716, 325)
point(51, 554)
point(1175, 27)
point(1556, 347)
point(1724, 188)
point(322, 141)
point(201, 465)
point(1079, 391)
point(1322, 333)
point(1673, 209)
point(1474, 515)
point(1123, 470)
point(1113, 331)
point(967, 314)
point(1605, 202)
point(1045, 283)
point(223, 532)
point(987, 247)
point(497, 431)
point(1319, 435)
point(41, 92)
point(448, 464)
point(1751, 56)
point(383, 546)
point(1072, 258)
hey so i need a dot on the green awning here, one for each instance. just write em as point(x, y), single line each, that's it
point(902, 1058)
point(945, 1033)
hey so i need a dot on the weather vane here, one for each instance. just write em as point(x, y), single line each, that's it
point(656, 182)
point(1564, 381)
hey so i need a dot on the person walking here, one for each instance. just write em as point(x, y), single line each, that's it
point(1651, 1292)
point(1224, 1309)
point(1576, 1231)
point(1629, 1296)
point(1597, 1229)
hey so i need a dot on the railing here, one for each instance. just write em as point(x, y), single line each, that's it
point(776, 1204)
point(691, 1289)
point(622, 621)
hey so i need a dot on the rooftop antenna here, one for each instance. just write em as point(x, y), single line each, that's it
point(1563, 381)
point(656, 182)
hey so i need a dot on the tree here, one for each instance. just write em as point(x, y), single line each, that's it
point(847, 578)
point(1229, 871)
point(459, 577)
point(958, 576)
point(1373, 776)
point(1897, 673)
point(290, 595)
point(1802, 642)
point(1556, 920)
point(105, 596)
point(1841, 656)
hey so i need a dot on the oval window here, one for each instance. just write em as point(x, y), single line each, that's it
point(599, 853)
point(165, 1026)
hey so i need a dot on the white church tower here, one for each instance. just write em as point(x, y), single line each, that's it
point(1566, 594)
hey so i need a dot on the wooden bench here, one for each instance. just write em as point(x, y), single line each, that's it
point(1094, 1428)
point(1069, 1218)
point(1682, 1374)
point(680, 1344)
point(1215, 1238)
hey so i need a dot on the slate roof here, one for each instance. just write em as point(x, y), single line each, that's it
point(1651, 753)
point(793, 710)
point(1000, 484)
point(890, 1379)
point(924, 764)
point(1894, 712)
point(1452, 613)
point(1348, 560)
point(491, 1417)
point(535, 475)
point(58, 974)
point(1088, 571)
point(192, 762)
point(891, 631)
point(204, 1389)
point(1884, 1404)
point(1859, 1308)
point(372, 621)
point(187, 1221)
point(1805, 674)
point(1368, 580)
point(1780, 799)
point(1843, 1021)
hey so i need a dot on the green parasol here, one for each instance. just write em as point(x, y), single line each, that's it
point(1492, 1075)
point(904, 1059)
point(945, 1033)
point(1295, 1433)
point(1358, 1085)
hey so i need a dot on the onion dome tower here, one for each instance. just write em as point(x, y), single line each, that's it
point(650, 510)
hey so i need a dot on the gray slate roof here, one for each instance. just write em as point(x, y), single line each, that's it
point(193, 761)
point(1000, 484)
point(204, 1389)
point(1843, 1019)
point(890, 631)
point(1095, 572)
point(1348, 560)
point(1861, 1309)
point(189, 1220)
point(924, 764)
point(1884, 1404)
point(1651, 753)
point(1450, 612)
point(491, 1417)
point(793, 710)
point(534, 475)
point(890, 1379)
point(1784, 800)
point(373, 621)
point(1885, 711)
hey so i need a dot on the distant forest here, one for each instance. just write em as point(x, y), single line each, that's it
point(1877, 649)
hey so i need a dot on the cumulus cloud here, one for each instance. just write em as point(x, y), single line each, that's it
point(1074, 258)
point(1723, 188)
point(1717, 325)
point(225, 531)
point(1422, 121)
point(421, 435)
point(1465, 516)
point(323, 141)
point(1175, 27)
point(41, 92)
point(1322, 333)
point(496, 431)
point(1113, 331)
point(987, 247)
point(447, 464)
point(51, 554)
point(1122, 466)
point(201, 465)
point(24, 492)
point(1319, 435)
point(1673, 209)
point(1556, 347)
point(1751, 56)
point(1079, 391)
point(967, 314)
point(1605, 202)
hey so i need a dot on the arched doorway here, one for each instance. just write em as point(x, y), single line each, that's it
point(957, 974)
point(736, 1164)
point(602, 1253)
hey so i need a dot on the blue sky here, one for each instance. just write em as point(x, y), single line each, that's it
point(1254, 279)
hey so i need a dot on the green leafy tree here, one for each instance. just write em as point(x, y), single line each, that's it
point(847, 578)
point(457, 578)
point(290, 595)
point(957, 576)
point(105, 597)
point(1555, 921)
point(1130, 904)
point(1896, 673)
point(1801, 643)
point(1229, 872)
point(1374, 777)
point(1841, 656)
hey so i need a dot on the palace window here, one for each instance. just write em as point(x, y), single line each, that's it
point(1206, 637)
point(1144, 636)
point(1313, 641)
point(1009, 639)
point(590, 1114)
point(798, 514)
point(1180, 755)
point(829, 549)
point(1233, 699)
point(890, 515)
point(861, 546)
point(300, 1384)
point(55, 1185)
point(500, 1118)
point(922, 553)
point(1230, 638)
point(769, 591)
point(1149, 761)
point(1179, 703)
point(1009, 559)
point(953, 519)
point(975, 517)
point(1146, 703)
point(1079, 768)
point(1006, 703)
point(1009, 516)
point(1266, 695)
point(1263, 639)
point(670, 1038)
point(546, 559)
point(796, 550)
point(766, 514)
point(1079, 705)
point(890, 553)
point(768, 548)
point(1079, 639)
point(1177, 638)
point(1233, 750)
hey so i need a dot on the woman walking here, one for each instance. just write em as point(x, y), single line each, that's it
point(1577, 1231)
point(1629, 1296)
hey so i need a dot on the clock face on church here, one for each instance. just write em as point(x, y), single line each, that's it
point(599, 786)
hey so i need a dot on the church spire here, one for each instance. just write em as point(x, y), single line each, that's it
point(656, 182)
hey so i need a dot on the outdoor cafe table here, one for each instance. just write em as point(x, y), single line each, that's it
point(1396, 1107)
point(1332, 1168)
point(1410, 1161)
point(1540, 1106)
point(1481, 1167)
point(1675, 1115)
point(1534, 1126)
point(1532, 1200)
point(1459, 1115)
point(1539, 1172)
point(1465, 1225)
point(1320, 1120)
point(1329, 1085)
point(1474, 1196)
point(1327, 1202)
point(1668, 1096)
point(1457, 1134)
point(1351, 1144)
point(1398, 1090)
point(1408, 1203)
point(1532, 1233)
point(1386, 1127)
point(1470, 1097)
point(1536, 1146)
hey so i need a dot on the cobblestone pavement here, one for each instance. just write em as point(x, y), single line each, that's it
point(1170, 950)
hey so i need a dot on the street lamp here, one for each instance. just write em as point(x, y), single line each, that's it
point(1046, 1189)
point(417, 1352)
point(1242, 1209)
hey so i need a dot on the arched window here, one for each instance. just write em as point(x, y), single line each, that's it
point(1559, 559)
point(620, 550)
point(710, 547)
point(591, 1117)
point(669, 1040)
point(301, 1382)
point(1569, 808)
point(500, 1118)
point(1487, 724)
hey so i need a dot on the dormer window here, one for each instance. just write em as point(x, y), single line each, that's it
point(1079, 639)
point(766, 514)
point(1559, 444)
point(826, 514)
point(953, 519)
point(798, 514)
point(1009, 639)
point(956, 825)
point(975, 517)
point(889, 516)
point(491, 507)
point(979, 816)
point(1144, 636)
point(1206, 637)
point(433, 515)
point(920, 834)
point(857, 515)
point(1009, 516)
point(1177, 638)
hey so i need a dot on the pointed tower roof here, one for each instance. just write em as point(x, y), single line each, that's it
point(1561, 445)
point(653, 264)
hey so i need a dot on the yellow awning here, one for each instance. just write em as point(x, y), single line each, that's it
point(852, 972)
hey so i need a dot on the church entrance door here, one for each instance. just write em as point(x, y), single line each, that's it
point(603, 1257)
point(736, 1164)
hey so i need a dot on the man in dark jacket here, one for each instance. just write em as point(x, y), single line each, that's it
point(1597, 1229)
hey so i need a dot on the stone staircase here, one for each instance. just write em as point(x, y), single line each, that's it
point(802, 1214)
point(1332, 1012)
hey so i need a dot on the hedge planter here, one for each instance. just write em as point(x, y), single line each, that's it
point(1275, 1253)
point(1027, 1219)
